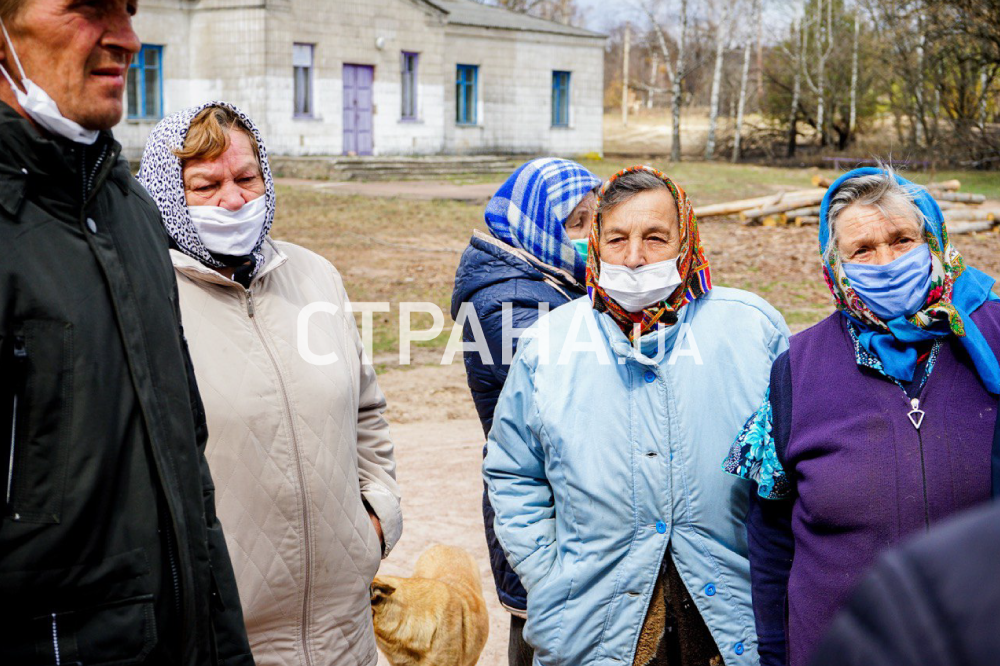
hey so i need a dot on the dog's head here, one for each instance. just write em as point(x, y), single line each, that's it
point(380, 591)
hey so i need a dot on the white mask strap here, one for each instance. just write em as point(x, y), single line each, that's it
point(17, 61)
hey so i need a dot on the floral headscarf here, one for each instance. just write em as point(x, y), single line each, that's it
point(956, 292)
point(696, 277)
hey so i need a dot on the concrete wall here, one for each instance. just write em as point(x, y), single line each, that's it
point(241, 51)
point(515, 91)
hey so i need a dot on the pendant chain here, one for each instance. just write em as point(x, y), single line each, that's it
point(916, 414)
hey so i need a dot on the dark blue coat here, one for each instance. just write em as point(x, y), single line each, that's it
point(492, 273)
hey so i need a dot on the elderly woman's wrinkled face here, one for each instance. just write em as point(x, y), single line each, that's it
point(641, 230)
point(866, 235)
point(578, 222)
point(229, 181)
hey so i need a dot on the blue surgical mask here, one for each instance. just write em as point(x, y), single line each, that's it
point(581, 245)
point(896, 289)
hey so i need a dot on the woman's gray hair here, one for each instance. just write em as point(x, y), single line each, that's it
point(880, 191)
point(626, 187)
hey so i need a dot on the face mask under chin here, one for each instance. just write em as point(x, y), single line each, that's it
point(40, 107)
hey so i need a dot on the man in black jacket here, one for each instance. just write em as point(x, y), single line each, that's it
point(110, 550)
point(932, 602)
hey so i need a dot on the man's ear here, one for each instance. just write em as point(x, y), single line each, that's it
point(380, 591)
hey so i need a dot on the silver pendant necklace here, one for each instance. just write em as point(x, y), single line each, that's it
point(916, 415)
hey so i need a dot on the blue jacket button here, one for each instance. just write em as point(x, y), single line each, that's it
point(710, 590)
point(661, 527)
point(739, 649)
point(650, 376)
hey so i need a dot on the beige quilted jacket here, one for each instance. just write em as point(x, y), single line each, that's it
point(295, 450)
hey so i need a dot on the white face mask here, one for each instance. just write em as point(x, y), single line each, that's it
point(227, 232)
point(41, 108)
point(637, 288)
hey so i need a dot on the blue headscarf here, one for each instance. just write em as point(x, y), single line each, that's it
point(531, 207)
point(956, 292)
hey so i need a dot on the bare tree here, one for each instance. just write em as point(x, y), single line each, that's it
point(675, 73)
point(854, 76)
point(721, 39)
point(757, 9)
point(678, 94)
point(797, 60)
point(625, 58)
point(822, 31)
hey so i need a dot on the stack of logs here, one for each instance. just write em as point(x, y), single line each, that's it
point(963, 212)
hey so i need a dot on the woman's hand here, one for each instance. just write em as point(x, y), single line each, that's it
point(377, 524)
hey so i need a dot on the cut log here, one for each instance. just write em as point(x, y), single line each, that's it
point(821, 181)
point(968, 227)
point(966, 215)
point(803, 212)
point(748, 216)
point(806, 220)
point(960, 197)
point(735, 207)
point(778, 220)
point(945, 185)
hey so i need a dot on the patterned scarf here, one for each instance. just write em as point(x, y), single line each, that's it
point(696, 277)
point(160, 172)
point(530, 209)
point(956, 292)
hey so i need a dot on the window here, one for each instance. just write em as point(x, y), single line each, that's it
point(560, 99)
point(302, 66)
point(145, 83)
point(466, 94)
point(409, 86)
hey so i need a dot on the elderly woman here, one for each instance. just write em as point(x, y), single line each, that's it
point(879, 420)
point(300, 452)
point(602, 464)
point(538, 220)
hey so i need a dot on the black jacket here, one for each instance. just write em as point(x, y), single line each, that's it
point(933, 602)
point(489, 275)
point(110, 550)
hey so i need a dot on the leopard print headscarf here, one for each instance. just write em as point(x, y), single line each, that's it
point(161, 174)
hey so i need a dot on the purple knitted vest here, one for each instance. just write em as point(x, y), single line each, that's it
point(865, 478)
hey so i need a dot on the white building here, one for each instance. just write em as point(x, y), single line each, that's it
point(383, 77)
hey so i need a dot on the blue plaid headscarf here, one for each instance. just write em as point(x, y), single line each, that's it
point(530, 209)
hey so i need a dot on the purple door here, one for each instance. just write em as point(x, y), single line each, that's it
point(358, 109)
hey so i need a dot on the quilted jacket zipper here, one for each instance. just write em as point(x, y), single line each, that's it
point(307, 553)
point(20, 359)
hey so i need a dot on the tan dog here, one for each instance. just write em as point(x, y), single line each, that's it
point(436, 618)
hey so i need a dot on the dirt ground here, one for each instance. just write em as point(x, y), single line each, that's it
point(407, 248)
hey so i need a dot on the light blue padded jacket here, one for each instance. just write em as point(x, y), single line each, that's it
point(600, 457)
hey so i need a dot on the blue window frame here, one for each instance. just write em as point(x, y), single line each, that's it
point(560, 99)
point(409, 86)
point(466, 94)
point(145, 83)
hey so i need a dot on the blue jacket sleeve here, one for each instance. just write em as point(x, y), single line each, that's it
point(514, 470)
point(769, 532)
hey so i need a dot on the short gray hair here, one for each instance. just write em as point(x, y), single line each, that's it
point(627, 186)
point(880, 191)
